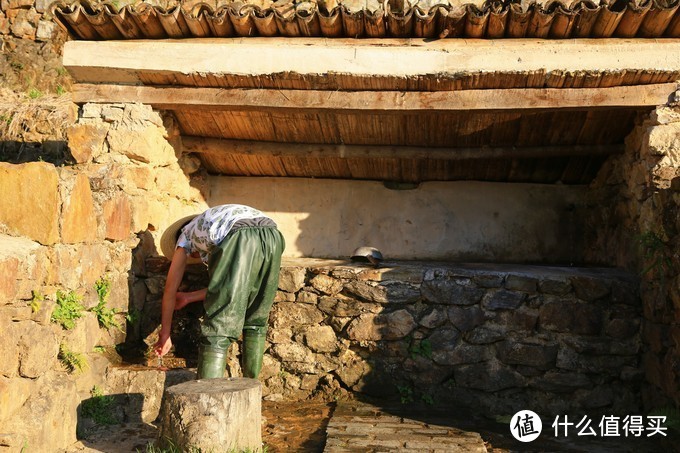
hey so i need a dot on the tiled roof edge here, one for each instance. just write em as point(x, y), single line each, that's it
point(553, 19)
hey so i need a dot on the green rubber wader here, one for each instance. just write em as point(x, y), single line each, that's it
point(253, 350)
point(212, 361)
point(244, 277)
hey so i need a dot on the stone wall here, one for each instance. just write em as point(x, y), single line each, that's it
point(641, 231)
point(495, 338)
point(63, 229)
point(27, 19)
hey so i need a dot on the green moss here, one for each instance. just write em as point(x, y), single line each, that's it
point(99, 407)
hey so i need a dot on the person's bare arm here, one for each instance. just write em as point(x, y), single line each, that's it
point(184, 299)
point(172, 282)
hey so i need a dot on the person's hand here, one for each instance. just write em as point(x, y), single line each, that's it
point(163, 344)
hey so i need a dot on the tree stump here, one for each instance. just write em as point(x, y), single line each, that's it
point(213, 415)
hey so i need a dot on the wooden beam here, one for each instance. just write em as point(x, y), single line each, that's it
point(224, 147)
point(134, 61)
point(638, 96)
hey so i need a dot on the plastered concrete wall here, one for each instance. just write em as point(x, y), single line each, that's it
point(471, 221)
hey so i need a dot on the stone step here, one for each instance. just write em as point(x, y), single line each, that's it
point(360, 427)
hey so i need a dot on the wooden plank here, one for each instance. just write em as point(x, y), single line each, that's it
point(203, 145)
point(377, 101)
point(123, 61)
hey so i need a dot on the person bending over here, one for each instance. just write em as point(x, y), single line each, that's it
point(242, 248)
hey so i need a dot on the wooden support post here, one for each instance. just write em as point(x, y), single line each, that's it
point(213, 415)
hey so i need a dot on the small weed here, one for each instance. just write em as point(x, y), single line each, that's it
point(68, 310)
point(36, 301)
point(422, 348)
point(61, 71)
point(72, 360)
point(405, 394)
point(656, 254)
point(7, 119)
point(34, 93)
point(427, 399)
point(172, 448)
point(60, 90)
point(99, 349)
point(98, 407)
point(133, 316)
point(105, 316)
point(16, 65)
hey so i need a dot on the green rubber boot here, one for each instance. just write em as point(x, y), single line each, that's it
point(212, 361)
point(253, 350)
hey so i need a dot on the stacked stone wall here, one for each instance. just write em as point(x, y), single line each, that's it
point(63, 230)
point(494, 338)
point(641, 231)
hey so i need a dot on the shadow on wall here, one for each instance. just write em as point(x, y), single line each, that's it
point(53, 151)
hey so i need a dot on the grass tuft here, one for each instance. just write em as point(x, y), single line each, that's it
point(99, 407)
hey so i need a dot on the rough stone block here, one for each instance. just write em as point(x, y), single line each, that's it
point(365, 291)
point(451, 292)
point(558, 287)
point(9, 274)
point(489, 377)
point(590, 289)
point(307, 297)
point(24, 23)
point(85, 335)
point(445, 339)
point(290, 315)
point(541, 356)
point(433, 318)
point(503, 300)
point(86, 141)
point(13, 394)
point(562, 382)
point(117, 218)
point(664, 140)
point(371, 327)
point(292, 279)
point(488, 280)
point(339, 307)
point(320, 338)
point(485, 335)
point(47, 420)
point(326, 284)
point(9, 345)
point(30, 202)
point(78, 219)
point(145, 145)
point(574, 317)
point(625, 293)
point(521, 283)
point(622, 328)
point(112, 114)
point(45, 30)
point(293, 352)
point(38, 349)
point(77, 266)
point(140, 176)
point(462, 354)
point(465, 319)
